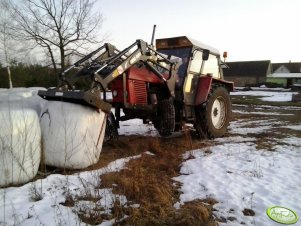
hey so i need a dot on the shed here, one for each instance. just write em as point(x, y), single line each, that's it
point(247, 73)
point(285, 74)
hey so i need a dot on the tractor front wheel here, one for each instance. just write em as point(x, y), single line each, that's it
point(165, 118)
point(213, 117)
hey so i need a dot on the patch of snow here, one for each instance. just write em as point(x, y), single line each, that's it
point(294, 108)
point(271, 107)
point(244, 127)
point(136, 127)
point(254, 93)
point(240, 177)
point(255, 130)
point(295, 141)
point(18, 207)
point(266, 95)
point(293, 127)
point(263, 89)
point(279, 97)
point(234, 139)
point(258, 113)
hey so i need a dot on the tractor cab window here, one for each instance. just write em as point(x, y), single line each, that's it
point(196, 63)
point(175, 53)
point(181, 56)
point(211, 67)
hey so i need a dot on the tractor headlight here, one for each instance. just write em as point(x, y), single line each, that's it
point(114, 93)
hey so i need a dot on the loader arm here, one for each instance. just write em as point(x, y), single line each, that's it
point(143, 53)
point(103, 70)
point(106, 52)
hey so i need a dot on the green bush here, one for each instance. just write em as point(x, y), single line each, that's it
point(28, 76)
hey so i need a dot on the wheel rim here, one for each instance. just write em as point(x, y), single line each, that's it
point(218, 113)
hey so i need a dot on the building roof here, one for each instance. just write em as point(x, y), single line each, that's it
point(284, 75)
point(247, 68)
point(292, 67)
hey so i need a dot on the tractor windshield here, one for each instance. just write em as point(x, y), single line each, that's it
point(176, 53)
point(180, 55)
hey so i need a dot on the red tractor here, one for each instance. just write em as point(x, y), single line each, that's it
point(180, 81)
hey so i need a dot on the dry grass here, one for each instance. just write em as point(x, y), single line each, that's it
point(147, 182)
point(194, 213)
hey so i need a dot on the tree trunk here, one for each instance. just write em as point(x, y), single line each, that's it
point(9, 78)
point(62, 51)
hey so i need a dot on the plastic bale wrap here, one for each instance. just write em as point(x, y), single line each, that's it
point(72, 134)
point(21, 98)
point(20, 145)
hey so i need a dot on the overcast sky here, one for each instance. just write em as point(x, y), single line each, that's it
point(246, 29)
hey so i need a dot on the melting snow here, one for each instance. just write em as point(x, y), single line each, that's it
point(18, 205)
point(267, 96)
point(241, 177)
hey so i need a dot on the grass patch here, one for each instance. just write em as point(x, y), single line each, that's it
point(147, 181)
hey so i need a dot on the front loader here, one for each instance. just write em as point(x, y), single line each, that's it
point(180, 81)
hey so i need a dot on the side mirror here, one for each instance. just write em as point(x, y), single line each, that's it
point(205, 55)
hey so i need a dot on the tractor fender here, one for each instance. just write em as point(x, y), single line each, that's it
point(204, 87)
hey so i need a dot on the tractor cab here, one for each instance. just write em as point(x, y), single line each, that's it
point(198, 65)
point(195, 58)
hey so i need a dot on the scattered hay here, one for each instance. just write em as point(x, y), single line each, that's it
point(147, 182)
point(248, 212)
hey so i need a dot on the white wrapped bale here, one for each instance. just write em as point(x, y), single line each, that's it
point(21, 98)
point(20, 146)
point(72, 134)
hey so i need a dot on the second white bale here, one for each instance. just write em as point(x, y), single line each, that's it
point(72, 134)
point(20, 146)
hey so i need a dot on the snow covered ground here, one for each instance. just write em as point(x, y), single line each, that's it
point(272, 96)
point(256, 166)
point(42, 202)
point(242, 177)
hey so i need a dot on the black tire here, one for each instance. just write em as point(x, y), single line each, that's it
point(213, 117)
point(165, 119)
point(111, 132)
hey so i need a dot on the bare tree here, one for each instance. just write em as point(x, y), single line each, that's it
point(60, 27)
point(4, 41)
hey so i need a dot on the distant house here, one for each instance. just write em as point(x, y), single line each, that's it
point(285, 74)
point(247, 73)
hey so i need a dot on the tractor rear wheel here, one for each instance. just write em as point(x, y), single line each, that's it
point(165, 119)
point(213, 117)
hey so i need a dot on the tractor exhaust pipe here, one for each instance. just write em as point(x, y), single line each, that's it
point(153, 35)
